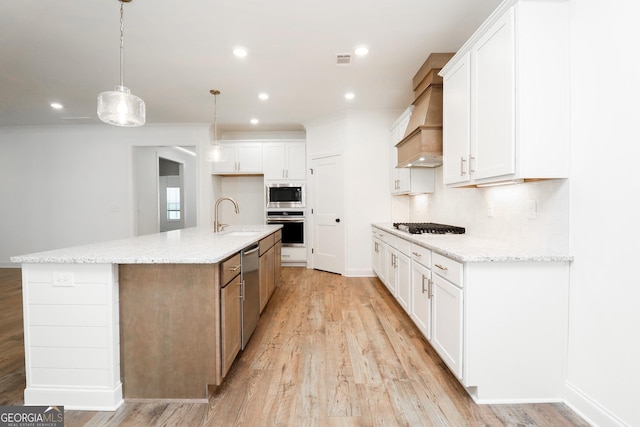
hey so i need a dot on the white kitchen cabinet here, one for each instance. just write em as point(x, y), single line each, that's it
point(403, 273)
point(447, 303)
point(500, 326)
point(285, 161)
point(506, 98)
point(239, 158)
point(377, 256)
point(407, 180)
point(392, 265)
point(421, 290)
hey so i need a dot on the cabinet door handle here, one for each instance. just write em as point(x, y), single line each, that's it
point(430, 293)
point(471, 169)
point(462, 162)
point(423, 290)
point(441, 267)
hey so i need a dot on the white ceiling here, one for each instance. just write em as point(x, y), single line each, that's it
point(176, 51)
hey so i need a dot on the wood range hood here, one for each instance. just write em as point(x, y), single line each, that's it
point(422, 142)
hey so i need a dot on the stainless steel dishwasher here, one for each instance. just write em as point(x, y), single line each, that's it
point(250, 291)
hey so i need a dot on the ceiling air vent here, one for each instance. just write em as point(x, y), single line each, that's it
point(343, 59)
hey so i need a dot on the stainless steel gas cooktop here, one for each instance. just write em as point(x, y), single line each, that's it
point(428, 228)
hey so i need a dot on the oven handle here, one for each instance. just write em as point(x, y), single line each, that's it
point(275, 220)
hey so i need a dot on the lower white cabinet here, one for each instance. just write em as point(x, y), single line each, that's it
point(403, 280)
point(500, 326)
point(447, 323)
point(421, 298)
point(392, 264)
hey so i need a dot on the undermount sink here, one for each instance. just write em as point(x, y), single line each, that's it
point(241, 233)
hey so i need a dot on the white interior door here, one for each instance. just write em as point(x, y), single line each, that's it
point(327, 211)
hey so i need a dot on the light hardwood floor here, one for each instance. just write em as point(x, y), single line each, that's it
point(328, 351)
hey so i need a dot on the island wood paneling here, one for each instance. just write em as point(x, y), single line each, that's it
point(169, 336)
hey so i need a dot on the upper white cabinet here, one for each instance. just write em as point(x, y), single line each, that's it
point(239, 158)
point(506, 98)
point(407, 180)
point(285, 161)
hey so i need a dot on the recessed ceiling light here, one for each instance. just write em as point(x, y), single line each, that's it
point(255, 121)
point(56, 105)
point(349, 95)
point(240, 52)
point(361, 50)
point(263, 96)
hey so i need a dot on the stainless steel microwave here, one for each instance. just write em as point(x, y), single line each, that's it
point(285, 195)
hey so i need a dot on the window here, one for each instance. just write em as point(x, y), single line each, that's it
point(173, 203)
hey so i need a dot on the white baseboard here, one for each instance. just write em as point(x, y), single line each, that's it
point(359, 273)
point(75, 399)
point(589, 409)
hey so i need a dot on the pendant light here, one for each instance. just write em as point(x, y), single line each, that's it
point(215, 153)
point(120, 107)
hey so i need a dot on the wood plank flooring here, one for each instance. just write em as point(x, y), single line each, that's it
point(328, 351)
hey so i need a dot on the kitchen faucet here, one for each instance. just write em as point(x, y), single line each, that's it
point(217, 227)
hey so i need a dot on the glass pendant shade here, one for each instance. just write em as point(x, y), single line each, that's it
point(120, 107)
point(215, 153)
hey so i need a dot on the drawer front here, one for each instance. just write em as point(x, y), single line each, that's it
point(267, 242)
point(421, 255)
point(278, 235)
point(230, 269)
point(447, 268)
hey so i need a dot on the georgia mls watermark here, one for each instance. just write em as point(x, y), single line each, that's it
point(31, 416)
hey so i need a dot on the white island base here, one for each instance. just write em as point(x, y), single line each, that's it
point(71, 335)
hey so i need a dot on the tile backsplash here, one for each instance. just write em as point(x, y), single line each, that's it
point(534, 212)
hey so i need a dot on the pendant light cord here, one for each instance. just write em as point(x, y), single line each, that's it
point(121, 43)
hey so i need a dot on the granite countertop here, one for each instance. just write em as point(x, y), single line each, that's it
point(197, 245)
point(466, 248)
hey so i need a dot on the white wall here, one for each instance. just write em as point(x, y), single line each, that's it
point(604, 338)
point(248, 192)
point(363, 140)
point(62, 186)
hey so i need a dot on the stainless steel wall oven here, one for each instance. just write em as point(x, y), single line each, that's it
point(292, 222)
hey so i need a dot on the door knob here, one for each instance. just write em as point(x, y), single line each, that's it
point(337, 219)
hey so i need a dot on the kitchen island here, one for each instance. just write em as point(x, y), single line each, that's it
point(136, 318)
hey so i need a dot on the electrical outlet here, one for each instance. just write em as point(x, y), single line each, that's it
point(532, 209)
point(62, 278)
point(490, 210)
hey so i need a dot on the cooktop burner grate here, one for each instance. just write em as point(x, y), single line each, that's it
point(428, 228)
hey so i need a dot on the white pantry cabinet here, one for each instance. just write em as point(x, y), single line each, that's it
point(407, 180)
point(506, 98)
point(285, 160)
point(239, 158)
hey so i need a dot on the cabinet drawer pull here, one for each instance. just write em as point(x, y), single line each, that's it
point(441, 267)
point(417, 254)
point(236, 268)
